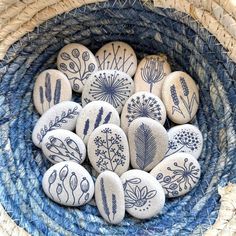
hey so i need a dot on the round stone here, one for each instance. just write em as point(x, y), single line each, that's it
point(109, 195)
point(77, 62)
point(177, 173)
point(144, 196)
point(180, 96)
point(150, 74)
point(117, 56)
point(51, 87)
point(111, 86)
point(63, 145)
point(68, 183)
point(148, 141)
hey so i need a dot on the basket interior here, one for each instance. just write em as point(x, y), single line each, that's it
point(148, 30)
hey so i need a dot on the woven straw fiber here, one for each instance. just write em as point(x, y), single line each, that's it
point(201, 42)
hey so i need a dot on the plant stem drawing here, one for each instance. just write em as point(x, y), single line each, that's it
point(41, 97)
point(62, 176)
point(51, 180)
point(104, 199)
point(84, 186)
point(57, 92)
point(114, 205)
point(175, 100)
point(73, 184)
point(98, 118)
point(59, 191)
point(48, 92)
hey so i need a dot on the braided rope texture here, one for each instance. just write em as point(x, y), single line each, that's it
point(148, 30)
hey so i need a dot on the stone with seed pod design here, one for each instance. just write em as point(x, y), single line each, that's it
point(77, 62)
point(68, 183)
point(180, 96)
point(150, 74)
point(117, 56)
point(63, 145)
point(177, 173)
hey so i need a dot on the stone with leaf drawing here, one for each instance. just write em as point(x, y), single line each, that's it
point(63, 145)
point(117, 56)
point(109, 196)
point(108, 149)
point(181, 97)
point(51, 87)
point(77, 62)
point(93, 115)
point(150, 74)
point(68, 183)
point(185, 138)
point(177, 173)
point(144, 196)
point(148, 142)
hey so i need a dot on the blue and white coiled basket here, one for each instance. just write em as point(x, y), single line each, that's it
point(199, 37)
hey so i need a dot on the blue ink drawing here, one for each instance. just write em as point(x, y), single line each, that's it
point(98, 118)
point(62, 176)
point(73, 181)
point(104, 199)
point(114, 205)
point(145, 146)
point(84, 186)
point(51, 180)
point(175, 99)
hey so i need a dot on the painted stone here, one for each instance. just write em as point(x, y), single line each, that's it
point(142, 104)
point(78, 63)
point(68, 183)
point(180, 96)
point(109, 195)
point(108, 149)
point(63, 145)
point(148, 142)
point(61, 116)
point(93, 115)
point(117, 56)
point(185, 138)
point(144, 196)
point(111, 86)
point(177, 173)
point(150, 74)
point(51, 87)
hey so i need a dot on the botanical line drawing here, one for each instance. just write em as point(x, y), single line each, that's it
point(84, 186)
point(114, 205)
point(98, 118)
point(145, 146)
point(104, 199)
point(175, 100)
point(109, 150)
point(180, 177)
point(153, 71)
point(59, 191)
point(62, 176)
point(73, 184)
point(51, 180)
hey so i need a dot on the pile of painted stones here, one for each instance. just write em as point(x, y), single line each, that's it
point(136, 162)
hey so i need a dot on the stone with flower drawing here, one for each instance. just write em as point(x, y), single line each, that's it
point(142, 104)
point(77, 62)
point(108, 149)
point(144, 196)
point(63, 145)
point(150, 74)
point(177, 173)
point(185, 138)
point(68, 183)
point(181, 97)
point(109, 195)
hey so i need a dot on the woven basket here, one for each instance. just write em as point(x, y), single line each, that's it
point(199, 37)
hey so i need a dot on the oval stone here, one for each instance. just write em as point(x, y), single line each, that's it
point(150, 74)
point(185, 138)
point(51, 87)
point(93, 115)
point(109, 195)
point(68, 183)
point(77, 62)
point(142, 104)
point(180, 96)
point(111, 86)
point(144, 196)
point(148, 141)
point(117, 56)
point(177, 173)
point(63, 145)
point(108, 149)
point(61, 116)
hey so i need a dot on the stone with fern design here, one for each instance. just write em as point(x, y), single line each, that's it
point(181, 97)
point(150, 74)
point(109, 196)
point(178, 174)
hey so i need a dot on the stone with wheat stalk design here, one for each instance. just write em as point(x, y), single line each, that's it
point(150, 74)
point(68, 183)
point(51, 87)
point(181, 97)
point(77, 62)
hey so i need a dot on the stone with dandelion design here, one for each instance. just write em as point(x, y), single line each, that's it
point(178, 174)
point(181, 97)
